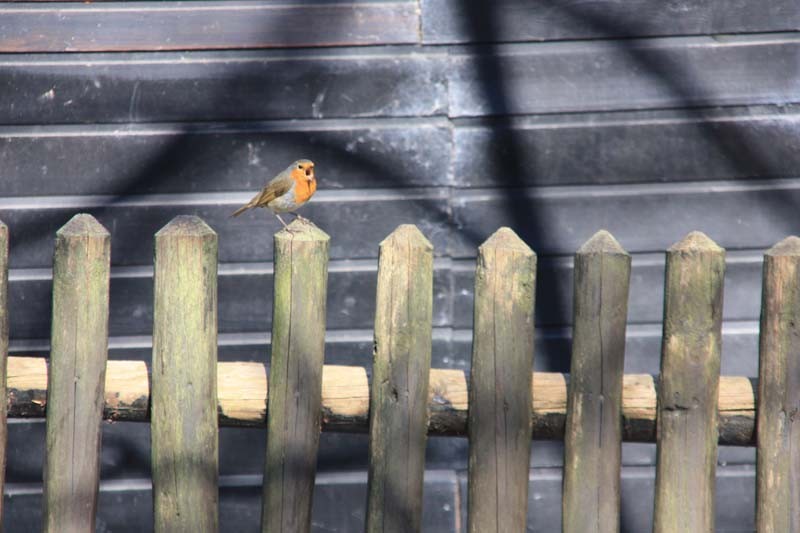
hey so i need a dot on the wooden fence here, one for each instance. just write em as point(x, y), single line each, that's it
point(501, 406)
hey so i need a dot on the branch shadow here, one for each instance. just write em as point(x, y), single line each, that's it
point(506, 150)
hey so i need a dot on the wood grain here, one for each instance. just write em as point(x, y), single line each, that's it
point(464, 21)
point(295, 399)
point(778, 454)
point(79, 350)
point(687, 400)
point(4, 246)
point(242, 85)
point(184, 434)
point(150, 26)
point(499, 424)
point(593, 436)
point(345, 399)
point(399, 392)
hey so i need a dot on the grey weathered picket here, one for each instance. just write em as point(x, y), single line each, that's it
point(500, 404)
point(76, 375)
point(295, 394)
point(184, 433)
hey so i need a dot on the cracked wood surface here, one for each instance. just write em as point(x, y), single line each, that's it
point(295, 374)
point(79, 350)
point(593, 435)
point(400, 386)
point(687, 400)
point(4, 245)
point(778, 455)
point(242, 397)
point(499, 424)
point(184, 434)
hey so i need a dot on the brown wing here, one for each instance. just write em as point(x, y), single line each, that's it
point(278, 186)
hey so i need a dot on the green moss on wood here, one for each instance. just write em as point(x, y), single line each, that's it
point(687, 399)
point(778, 452)
point(593, 434)
point(295, 377)
point(399, 389)
point(78, 354)
point(499, 425)
point(184, 434)
point(4, 245)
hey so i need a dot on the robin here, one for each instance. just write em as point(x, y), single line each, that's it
point(287, 191)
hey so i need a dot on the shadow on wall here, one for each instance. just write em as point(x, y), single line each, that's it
point(512, 158)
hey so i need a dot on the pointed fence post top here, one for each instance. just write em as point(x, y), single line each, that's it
point(407, 235)
point(302, 230)
point(505, 238)
point(695, 241)
point(602, 242)
point(790, 246)
point(185, 226)
point(81, 225)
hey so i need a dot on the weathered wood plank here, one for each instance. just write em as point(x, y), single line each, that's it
point(676, 145)
point(351, 299)
point(245, 239)
point(533, 78)
point(4, 245)
point(79, 350)
point(687, 401)
point(748, 214)
point(184, 434)
point(215, 157)
point(400, 380)
point(295, 399)
point(619, 147)
point(499, 424)
point(126, 506)
point(593, 436)
point(150, 26)
point(458, 21)
point(251, 85)
point(242, 399)
point(778, 470)
point(224, 85)
point(745, 214)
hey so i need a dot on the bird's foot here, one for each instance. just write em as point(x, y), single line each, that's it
point(285, 225)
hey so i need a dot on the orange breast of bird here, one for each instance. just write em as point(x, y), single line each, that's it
point(303, 188)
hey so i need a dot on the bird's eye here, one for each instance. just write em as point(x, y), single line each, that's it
point(300, 167)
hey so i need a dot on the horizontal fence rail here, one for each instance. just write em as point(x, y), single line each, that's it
point(242, 399)
point(501, 405)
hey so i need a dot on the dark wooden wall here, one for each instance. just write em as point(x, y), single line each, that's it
point(648, 118)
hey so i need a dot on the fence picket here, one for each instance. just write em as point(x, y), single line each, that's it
point(688, 410)
point(593, 434)
point(399, 392)
point(499, 424)
point(778, 463)
point(184, 378)
point(295, 377)
point(79, 350)
point(3, 354)
point(687, 398)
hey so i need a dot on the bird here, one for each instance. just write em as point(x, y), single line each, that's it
point(286, 192)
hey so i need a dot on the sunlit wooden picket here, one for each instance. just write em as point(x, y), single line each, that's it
point(184, 432)
point(76, 377)
point(501, 405)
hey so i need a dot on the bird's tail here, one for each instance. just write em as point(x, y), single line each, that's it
point(242, 210)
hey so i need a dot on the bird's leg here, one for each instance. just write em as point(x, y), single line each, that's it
point(285, 225)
